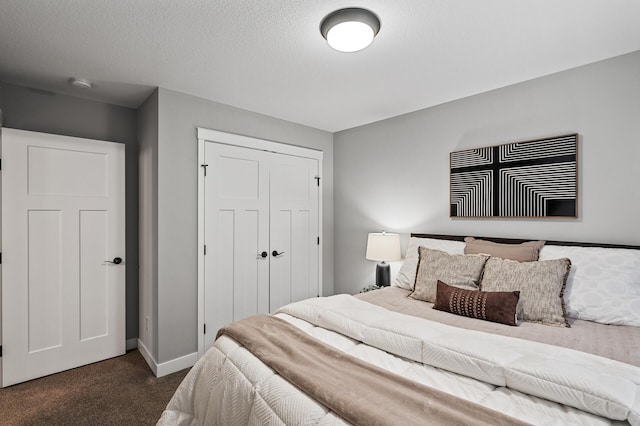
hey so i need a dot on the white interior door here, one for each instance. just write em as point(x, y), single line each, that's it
point(294, 189)
point(236, 235)
point(63, 223)
point(256, 203)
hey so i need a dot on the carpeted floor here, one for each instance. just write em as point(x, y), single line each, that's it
point(118, 391)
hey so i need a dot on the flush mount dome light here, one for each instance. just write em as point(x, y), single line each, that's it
point(351, 29)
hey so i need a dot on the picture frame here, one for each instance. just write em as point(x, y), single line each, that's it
point(529, 179)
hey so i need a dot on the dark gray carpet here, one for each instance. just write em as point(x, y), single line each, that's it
point(118, 391)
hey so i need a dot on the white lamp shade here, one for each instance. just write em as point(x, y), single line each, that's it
point(383, 246)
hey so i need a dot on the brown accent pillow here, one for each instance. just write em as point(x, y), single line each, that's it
point(499, 306)
point(541, 285)
point(458, 270)
point(523, 252)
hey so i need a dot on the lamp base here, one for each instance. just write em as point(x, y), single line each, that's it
point(383, 275)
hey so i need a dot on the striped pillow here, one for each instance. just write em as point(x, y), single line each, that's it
point(498, 306)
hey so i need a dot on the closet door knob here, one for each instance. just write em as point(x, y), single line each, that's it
point(275, 253)
point(264, 254)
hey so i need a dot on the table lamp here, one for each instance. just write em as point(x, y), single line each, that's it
point(383, 247)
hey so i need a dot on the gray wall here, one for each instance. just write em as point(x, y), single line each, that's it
point(40, 111)
point(394, 174)
point(178, 117)
point(148, 221)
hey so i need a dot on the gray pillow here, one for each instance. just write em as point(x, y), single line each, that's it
point(541, 285)
point(463, 271)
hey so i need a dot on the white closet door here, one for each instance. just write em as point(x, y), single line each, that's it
point(257, 203)
point(63, 218)
point(236, 234)
point(294, 229)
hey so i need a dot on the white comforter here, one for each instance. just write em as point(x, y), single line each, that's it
point(537, 383)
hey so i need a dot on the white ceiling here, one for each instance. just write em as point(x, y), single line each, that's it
point(268, 55)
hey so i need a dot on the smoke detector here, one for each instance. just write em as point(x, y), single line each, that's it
point(80, 83)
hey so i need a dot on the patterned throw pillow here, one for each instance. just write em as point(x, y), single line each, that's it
point(500, 306)
point(603, 285)
point(541, 285)
point(523, 252)
point(457, 270)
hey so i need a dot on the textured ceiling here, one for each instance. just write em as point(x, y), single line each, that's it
point(268, 55)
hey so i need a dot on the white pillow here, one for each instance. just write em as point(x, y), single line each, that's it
point(406, 277)
point(603, 285)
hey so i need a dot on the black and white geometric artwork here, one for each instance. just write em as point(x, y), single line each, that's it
point(523, 179)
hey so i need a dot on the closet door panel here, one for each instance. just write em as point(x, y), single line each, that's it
point(223, 272)
point(236, 233)
point(281, 265)
point(294, 229)
point(302, 243)
point(250, 292)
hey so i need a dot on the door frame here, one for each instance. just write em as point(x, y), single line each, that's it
point(216, 136)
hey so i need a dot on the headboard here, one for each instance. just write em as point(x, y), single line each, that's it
point(518, 241)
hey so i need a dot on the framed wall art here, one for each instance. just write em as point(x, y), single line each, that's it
point(537, 178)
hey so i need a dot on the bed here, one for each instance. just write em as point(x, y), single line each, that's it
point(388, 357)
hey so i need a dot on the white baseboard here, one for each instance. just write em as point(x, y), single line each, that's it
point(148, 357)
point(132, 343)
point(167, 367)
point(177, 364)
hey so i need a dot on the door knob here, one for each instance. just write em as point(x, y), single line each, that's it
point(116, 260)
point(275, 253)
point(264, 254)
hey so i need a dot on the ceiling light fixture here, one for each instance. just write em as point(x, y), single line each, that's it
point(80, 83)
point(351, 29)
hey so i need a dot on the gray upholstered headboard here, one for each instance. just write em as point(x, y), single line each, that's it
point(517, 241)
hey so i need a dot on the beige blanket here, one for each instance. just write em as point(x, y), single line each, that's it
point(355, 390)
